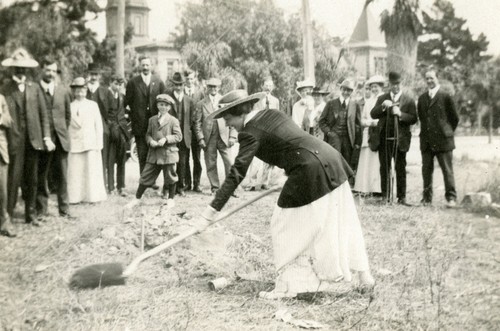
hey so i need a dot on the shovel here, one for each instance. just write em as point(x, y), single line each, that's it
point(109, 274)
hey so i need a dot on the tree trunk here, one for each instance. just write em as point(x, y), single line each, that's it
point(402, 53)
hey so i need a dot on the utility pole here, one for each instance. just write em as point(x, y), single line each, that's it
point(307, 42)
point(120, 33)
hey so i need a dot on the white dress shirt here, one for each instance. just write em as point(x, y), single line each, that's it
point(433, 91)
point(146, 79)
point(48, 87)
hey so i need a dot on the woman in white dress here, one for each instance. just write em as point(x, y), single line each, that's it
point(367, 175)
point(85, 174)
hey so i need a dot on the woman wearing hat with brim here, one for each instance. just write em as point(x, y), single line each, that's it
point(316, 233)
point(85, 169)
point(368, 176)
point(304, 105)
point(319, 104)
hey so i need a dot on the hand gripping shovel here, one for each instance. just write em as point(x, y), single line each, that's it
point(109, 274)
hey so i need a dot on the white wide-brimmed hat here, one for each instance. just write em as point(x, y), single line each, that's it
point(377, 79)
point(20, 58)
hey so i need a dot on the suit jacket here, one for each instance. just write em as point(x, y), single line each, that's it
point(104, 99)
point(313, 167)
point(118, 124)
point(59, 115)
point(203, 125)
point(328, 120)
point(187, 117)
point(438, 120)
point(408, 118)
point(37, 121)
point(171, 130)
point(5, 124)
point(141, 101)
point(85, 130)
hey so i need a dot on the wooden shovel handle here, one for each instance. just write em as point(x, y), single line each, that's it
point(133, 266)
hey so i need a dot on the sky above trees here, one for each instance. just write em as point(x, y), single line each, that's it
point(338, 16)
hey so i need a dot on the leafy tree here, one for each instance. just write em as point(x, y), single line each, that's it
point(50, 28)
point(254, 39)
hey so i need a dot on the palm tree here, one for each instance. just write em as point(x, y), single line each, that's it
point(401, 27)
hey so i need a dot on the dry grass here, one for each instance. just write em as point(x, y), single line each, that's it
point(436, 269)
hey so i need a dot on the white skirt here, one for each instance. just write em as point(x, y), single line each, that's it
point(319, 242)
point(368, 172)
point(85, 177)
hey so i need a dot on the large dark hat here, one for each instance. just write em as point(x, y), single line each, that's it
point(93, 68)
point(235, 98)
point(394, 77)
point(20, 58)
point(178, 78)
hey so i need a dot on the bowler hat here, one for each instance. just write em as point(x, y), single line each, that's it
point(93, 68)
point(165, 98)
point(394, 77)
point(20, 58)
point(235, 98)
point(347, 84)
point(78, 82)
point(213, 82)
point(178, 78)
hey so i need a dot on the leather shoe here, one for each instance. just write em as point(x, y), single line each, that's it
point(425, 203)
point(155, 187)
point(66, 215)
point(34, 223)
point(403, 203)
point(264, 187)
point(181, 193)
point(197, 189)
point(7, 230)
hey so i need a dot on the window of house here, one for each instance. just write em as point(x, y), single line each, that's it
point(380, 64)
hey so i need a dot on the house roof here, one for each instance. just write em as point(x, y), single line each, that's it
point(367, 31)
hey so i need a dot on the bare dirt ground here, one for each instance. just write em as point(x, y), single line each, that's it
point(436, 269)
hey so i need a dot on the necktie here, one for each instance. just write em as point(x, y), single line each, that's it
point(343, 104)
point(267, 103)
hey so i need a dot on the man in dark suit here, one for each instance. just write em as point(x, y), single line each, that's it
point(57, 102)
point(396, 112)
point(119, 138)
point(6, 227)
point(196, 94)
point(184, 111)
point(29, 134)
point(140, 97)
point(104, 98)
point(341, 124)
point(438, 119)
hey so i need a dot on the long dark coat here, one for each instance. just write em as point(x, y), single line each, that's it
point(313, 167)
point(61, 115)
point(438, 120)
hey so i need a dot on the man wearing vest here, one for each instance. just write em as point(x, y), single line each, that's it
point(184, 111)
point(57, 102)
point(341, 124)
point(140, 98)
point(104, 99)
point(28, 136)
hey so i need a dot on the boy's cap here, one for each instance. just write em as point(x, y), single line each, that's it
point(165, 98)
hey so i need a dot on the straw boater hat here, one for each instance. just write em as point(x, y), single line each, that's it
point(20, 58)
point(78, 82)
point(178, 78)
point(304, 83)
point(235, 98)
point(213, 82)
point(347, 84)
point(165, 98)
point(377, 79)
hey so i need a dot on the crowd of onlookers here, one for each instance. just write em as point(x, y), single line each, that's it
point(74, 142)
